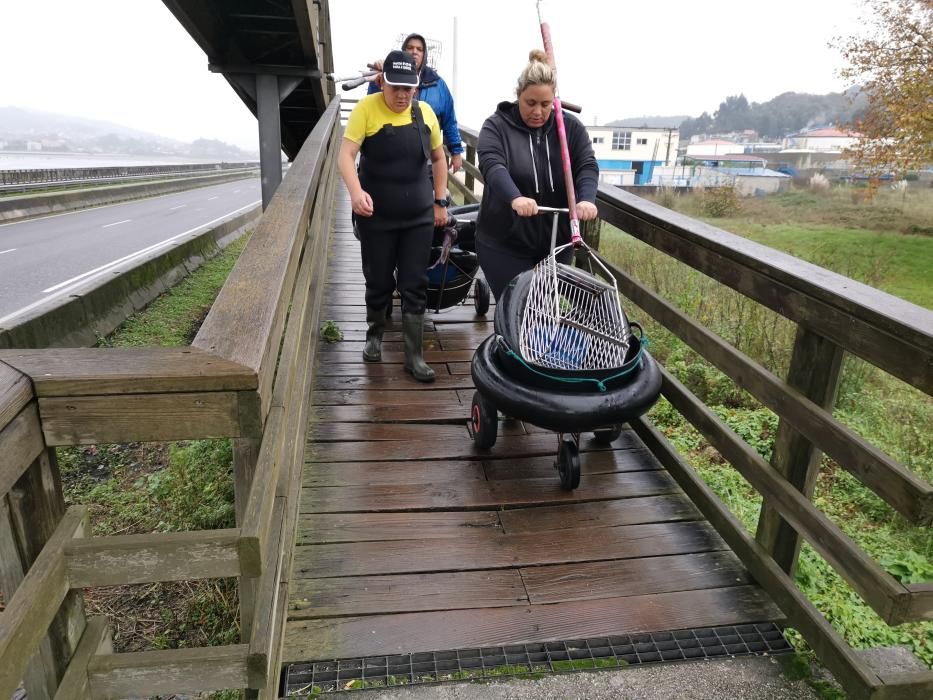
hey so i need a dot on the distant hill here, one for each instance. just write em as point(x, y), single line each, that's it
point(785, 114)
point(20, 122)
point(68, 133)
point(655, 121)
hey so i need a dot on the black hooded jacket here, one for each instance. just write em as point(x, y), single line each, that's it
point(516, 160)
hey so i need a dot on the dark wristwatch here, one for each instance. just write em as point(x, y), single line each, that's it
point(442, 202)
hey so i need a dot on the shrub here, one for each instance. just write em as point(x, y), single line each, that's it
point(666, 197)
point(819, 184)
point(719, 202)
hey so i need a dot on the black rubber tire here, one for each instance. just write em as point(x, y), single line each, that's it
point(607, 436)
point(568, 465)
point(481, 296)
point(389, 307)
point(485, 422)
point(562, 411)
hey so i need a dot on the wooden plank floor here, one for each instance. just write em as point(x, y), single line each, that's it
point(411, 540)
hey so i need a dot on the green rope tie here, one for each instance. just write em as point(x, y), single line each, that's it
point(600, 383)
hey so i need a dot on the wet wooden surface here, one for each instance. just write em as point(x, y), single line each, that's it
point(410, 539)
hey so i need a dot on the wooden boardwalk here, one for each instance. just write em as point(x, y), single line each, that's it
point(412, 540)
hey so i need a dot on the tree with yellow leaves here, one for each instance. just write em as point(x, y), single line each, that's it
point(894, 66)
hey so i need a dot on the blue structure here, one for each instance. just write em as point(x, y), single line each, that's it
point(644, 169)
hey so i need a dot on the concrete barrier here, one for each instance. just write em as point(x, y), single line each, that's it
point(96, 308)
point(32, 205)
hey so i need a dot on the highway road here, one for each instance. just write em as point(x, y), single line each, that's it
point(49, 257)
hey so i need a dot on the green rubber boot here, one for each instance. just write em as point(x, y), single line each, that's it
point(376, 318)
point(413, 332)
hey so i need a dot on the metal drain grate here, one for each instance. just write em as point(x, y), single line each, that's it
point(533, 659)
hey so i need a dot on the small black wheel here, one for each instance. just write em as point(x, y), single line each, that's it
point(389, 307)
point(607, 436)
point(481, 296)
point(568, 465)
point(485, 422)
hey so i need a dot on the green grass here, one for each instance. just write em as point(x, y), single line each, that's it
point(174, 317)
point(160, 487)
point(899, 264)
point(866, 242)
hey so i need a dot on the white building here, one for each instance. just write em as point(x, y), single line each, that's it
point(627, 155)
point(831, 139)
point(714, 147)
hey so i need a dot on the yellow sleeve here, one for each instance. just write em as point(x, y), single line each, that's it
point(356, 124)
point(430, 120)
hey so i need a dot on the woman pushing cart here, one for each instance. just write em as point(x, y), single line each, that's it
point(563, 356)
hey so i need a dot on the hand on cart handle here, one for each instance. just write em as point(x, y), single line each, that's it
point(586, 211)
point(525, 206)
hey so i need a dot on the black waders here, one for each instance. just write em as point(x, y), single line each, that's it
point(397, 237)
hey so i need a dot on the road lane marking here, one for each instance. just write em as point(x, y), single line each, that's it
point(178, 207)
point(117, 223)
point(102, 206)
point(80, 279)
point(103, 268)
point(10, 250)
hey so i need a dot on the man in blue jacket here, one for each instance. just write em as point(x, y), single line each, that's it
point(433, 90)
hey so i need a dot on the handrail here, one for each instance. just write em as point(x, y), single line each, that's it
point(891, 333)
point(253, 358)
point(839, 315)
point(245, 323)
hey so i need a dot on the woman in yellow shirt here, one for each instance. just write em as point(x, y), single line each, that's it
point(397, 201)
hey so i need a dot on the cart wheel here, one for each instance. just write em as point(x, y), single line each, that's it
point(568, 465)
point(389, 307)
point(485, 422)
point(481, 296)
point(607, 436)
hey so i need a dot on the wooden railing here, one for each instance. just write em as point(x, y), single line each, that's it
point(246, 376)
point(834, 315)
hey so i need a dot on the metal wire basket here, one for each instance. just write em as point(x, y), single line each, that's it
point(572, 320)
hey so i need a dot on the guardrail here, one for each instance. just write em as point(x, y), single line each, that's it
point(48, 176)
point(834, 315)
point(246, 376)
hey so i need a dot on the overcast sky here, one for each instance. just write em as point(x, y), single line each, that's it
point(130, 62)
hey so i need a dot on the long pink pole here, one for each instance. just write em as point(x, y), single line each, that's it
point(575, 236)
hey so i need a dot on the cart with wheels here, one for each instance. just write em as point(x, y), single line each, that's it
point(546, 366)
point(453, 270)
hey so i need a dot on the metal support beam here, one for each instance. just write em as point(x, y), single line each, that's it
point(270, 135)
point(260, 69)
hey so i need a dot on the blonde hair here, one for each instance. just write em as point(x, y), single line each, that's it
point(537, 72)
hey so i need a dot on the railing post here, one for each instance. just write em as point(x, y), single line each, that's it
point(590, 231)
point(468, 179)
point(245, 455)
point(28, 518)
point(815, 368)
